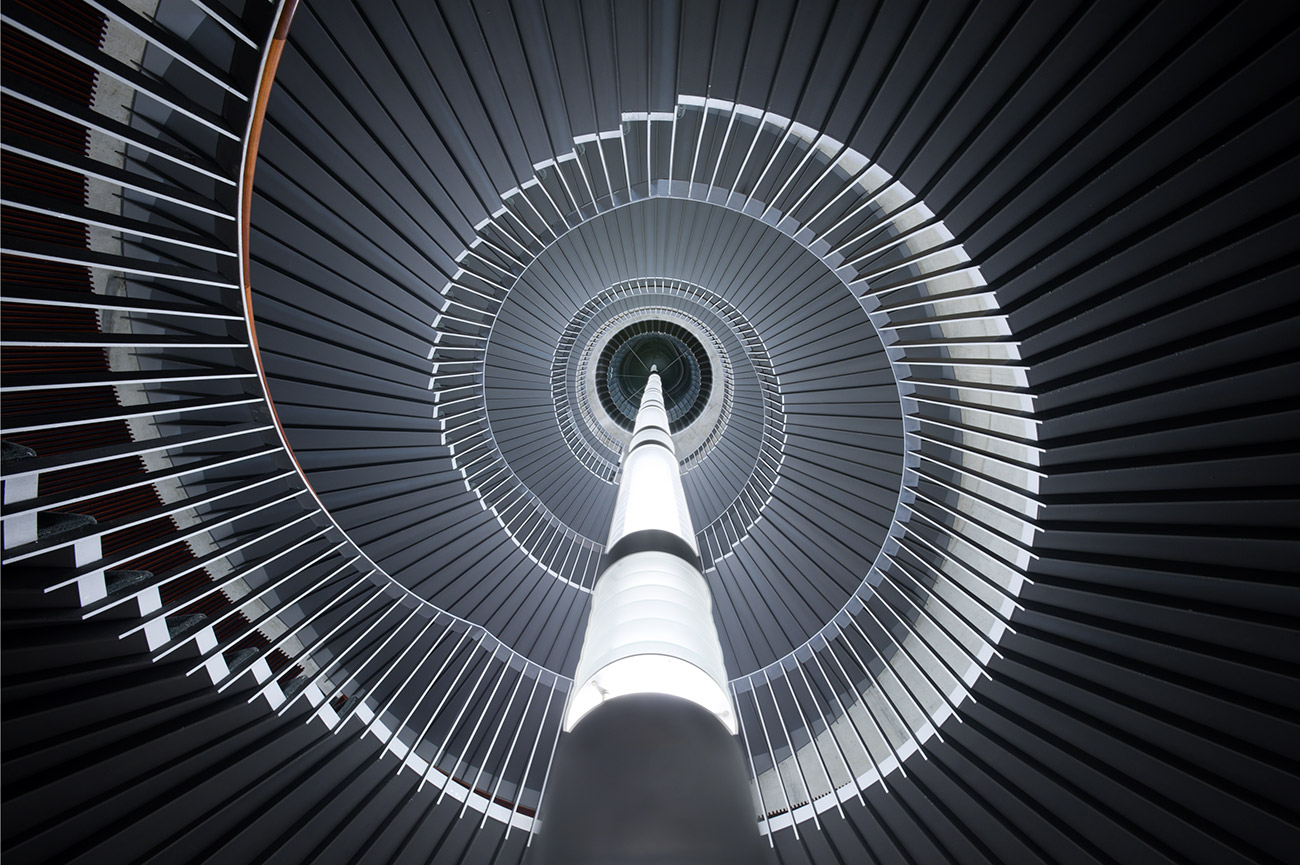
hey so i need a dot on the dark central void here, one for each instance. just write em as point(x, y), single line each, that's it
point(652, 780)
point(674, 352)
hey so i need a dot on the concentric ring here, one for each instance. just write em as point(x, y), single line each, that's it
point(955, 370)
point(649, 346)
point(943, 350)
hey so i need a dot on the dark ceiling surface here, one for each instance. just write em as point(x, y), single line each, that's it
point(1124, 175)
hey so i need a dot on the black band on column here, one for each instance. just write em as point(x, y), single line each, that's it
point(650, 540)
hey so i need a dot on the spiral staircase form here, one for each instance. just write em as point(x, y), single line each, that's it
point(306, 473)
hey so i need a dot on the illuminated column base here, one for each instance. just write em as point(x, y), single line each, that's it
point(649, 779)
point(651, 631)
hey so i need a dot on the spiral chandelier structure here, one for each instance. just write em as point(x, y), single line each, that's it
point(324, 325)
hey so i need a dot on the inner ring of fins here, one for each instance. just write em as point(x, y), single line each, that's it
point(682, 363)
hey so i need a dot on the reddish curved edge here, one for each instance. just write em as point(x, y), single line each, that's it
point(274, 51)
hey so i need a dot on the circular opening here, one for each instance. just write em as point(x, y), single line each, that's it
point(671, 350)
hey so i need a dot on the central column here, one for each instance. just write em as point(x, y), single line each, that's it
point(648, 770)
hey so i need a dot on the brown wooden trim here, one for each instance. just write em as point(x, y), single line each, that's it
point(264, 87)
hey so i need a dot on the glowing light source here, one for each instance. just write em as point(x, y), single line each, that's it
point(651, 624)
point(651, 631)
